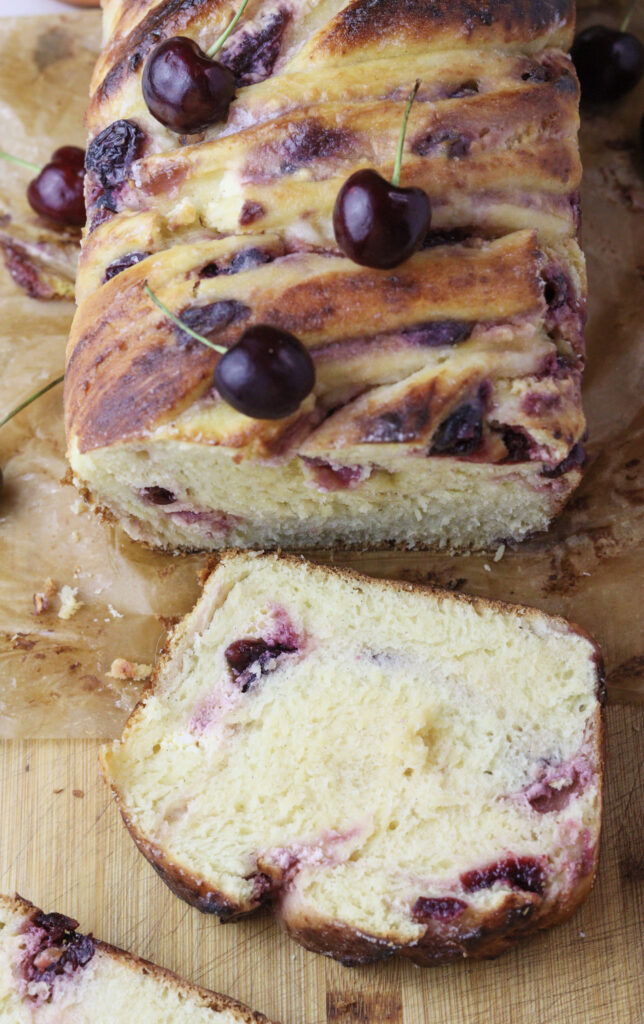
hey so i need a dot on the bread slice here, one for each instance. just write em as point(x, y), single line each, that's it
point(447, 408)
point(49, 974)
point(395, 769)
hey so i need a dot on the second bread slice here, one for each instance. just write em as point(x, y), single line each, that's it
point(393, 769)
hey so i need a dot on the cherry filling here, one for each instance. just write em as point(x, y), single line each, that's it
point(454, 144)
point(54, 948)
point(158, 495)
point(435, 333)
point(518, 872)
point(544, 797)
point(247, 259)
point(335, 478)
point(437, 908)
point(518, 444)
point(251, 658)
point(109, 158)
point(111, 154)
point(209, 319)
point(448, 236)
point(462, 432)
point(252, 55)
point(130, 259)
point(575, 457)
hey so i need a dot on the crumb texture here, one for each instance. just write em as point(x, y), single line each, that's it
point(447, 405)
point(404, 765)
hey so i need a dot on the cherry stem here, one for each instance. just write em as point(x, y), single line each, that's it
point(224, 35)
point(32, 398)
point(175, 320)
point(395, 178)
point(628, 16)
point(23, 163)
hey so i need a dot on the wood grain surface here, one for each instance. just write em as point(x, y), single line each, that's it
point(63, 846)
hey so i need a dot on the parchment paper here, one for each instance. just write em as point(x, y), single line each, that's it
point(590, 567)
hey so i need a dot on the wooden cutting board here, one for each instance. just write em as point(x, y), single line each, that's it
point(62, 845)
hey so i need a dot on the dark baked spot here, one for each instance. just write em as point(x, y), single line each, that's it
point(523, 873)
point(462, 432)
point(453, 144)
point(556, 288)
point(210, 319)
point(436, 333)
point(602, 691)
point(519, 915)
point(122, 263)
point(54, 949)
point(469, 88)
point(113, 151)
point(251, 53)
point(365, 21)
point(250, 212)
point(448, 236)
point(166, 19)
point(437, 908)
point(311, 140)
point(575, 457)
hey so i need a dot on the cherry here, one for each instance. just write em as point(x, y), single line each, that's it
point(184, 88)
point(609, 62)
point(265, 375)
point(376, 223)
point(57, 193)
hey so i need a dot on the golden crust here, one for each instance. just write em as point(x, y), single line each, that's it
point(487, 320)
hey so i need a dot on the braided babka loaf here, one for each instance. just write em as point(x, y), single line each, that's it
point(50, 974)
point(446, 409)
point(395, 770)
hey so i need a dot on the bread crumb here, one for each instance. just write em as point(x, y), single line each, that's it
point(113, 612)
point(78, 506)
point(43, 597)
point(123, 669)
point(487, 567)
point(499, 553)
point(69, 602)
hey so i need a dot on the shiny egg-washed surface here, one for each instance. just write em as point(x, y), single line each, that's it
point(469, 355)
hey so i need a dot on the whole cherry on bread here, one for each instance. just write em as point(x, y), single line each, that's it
point(376, 222)
point(184, 88)
point(57, 192)
point(266, 374)
point(609, 62)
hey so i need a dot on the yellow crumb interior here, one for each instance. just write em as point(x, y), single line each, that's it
point(372, 766)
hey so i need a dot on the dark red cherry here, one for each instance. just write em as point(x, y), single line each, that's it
point(58, 191)
point(266, 374)
point(609, 63)
point(184, 89)
point(378, 224)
